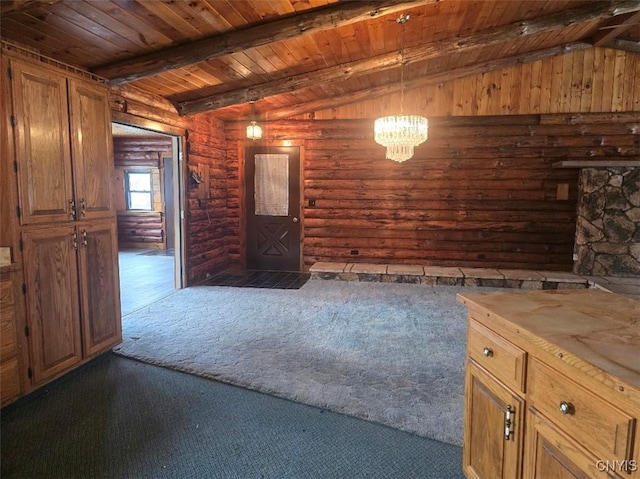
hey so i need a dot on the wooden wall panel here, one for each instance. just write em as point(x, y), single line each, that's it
point(207, 218)
point(206, 235)
point(586, 81)
point(481, 192)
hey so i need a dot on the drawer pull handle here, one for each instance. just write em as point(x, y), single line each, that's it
point(488, 352)
point(566, 408)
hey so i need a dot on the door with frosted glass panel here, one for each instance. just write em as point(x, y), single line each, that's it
point(272, 201)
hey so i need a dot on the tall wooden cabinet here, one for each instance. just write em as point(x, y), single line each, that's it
point(552, 385)
point(63, 168)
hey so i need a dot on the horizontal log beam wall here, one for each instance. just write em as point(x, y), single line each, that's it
point(481, 192)
point(141, 229)
point(206, 232)
point(588, 81)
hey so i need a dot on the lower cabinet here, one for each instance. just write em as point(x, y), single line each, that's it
point(10, 361)
point(72, 295)
point(534, 408)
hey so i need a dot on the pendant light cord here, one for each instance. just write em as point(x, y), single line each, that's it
point(402, 19)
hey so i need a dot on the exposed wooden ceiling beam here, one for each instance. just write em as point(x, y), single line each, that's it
point(390, 60)
point(310, 21)
point(626, 45)
point(430, 79)
point(614, 28)
point(8, 7)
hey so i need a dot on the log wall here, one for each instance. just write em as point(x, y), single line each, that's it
point(586, 81)
point(206, 236)
point(141, 228)
point(481, 192)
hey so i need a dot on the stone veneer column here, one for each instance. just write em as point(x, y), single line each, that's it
point(608, 226)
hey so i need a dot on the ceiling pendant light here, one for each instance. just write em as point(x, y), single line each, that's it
point(401, 133)
point(254, 131)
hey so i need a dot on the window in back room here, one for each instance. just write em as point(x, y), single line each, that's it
point(138, 190)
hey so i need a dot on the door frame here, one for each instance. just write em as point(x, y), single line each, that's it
point(242, 181)
point(180, 172)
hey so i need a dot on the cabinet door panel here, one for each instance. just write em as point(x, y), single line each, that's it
point(51, 274)
point(92, 148)
point(487, 453)
point(552, 455)
point(42, 143)
point(100, 289)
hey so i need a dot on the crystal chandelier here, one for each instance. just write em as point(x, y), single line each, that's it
point(254, 131)
point(401, 133)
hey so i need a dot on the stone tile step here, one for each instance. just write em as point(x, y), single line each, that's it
point(439, 275)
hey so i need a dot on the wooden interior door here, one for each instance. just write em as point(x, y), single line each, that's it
point(53, 306)
point(92, 148)
point(42, 143)
point(99, 286)
point(272, 202)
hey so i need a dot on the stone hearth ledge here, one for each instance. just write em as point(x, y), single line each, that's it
point(451, 276)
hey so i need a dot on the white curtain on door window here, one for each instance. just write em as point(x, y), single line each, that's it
point(272, 185)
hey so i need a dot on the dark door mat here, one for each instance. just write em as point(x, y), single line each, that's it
point(259, 279)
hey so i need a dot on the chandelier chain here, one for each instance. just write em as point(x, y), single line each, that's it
point(403, 19)
point(400, 134)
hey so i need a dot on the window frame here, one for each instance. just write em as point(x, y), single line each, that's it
point(128, 191)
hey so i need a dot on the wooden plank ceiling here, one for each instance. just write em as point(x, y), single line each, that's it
point(297, 56)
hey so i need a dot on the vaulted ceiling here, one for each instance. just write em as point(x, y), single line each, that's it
point(296, 56)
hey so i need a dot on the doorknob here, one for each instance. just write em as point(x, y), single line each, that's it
point(295, 219)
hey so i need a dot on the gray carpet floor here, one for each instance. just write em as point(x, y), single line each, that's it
point(389, 353)
point(119, 418)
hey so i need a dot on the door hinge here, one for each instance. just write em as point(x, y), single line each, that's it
point(10, 73)
point(26, 330)
point(29, 373)
point(508, 422)
point(18, 211)
point(12, 120)
point(24, 288)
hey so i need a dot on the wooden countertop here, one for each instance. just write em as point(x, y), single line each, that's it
point(600, 328)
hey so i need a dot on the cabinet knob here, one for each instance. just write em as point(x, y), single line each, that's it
point(566, 408)
point(295, 219)
point(488, 352)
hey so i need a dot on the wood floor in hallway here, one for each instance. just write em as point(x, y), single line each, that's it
point(145, 277)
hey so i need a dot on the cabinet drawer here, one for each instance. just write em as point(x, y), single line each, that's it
point(6, 295)
point(9, 381)
point(8, 338)
point(497, 355)
point(593, 422)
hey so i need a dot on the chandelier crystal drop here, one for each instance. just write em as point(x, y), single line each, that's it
point(400, 134)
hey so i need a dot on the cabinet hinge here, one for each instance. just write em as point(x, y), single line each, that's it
point(18, 211)
point(26, 330)
point(21, 245)
point(10, 73)
point(29, 373)
point(24, 288)
point(15, 166)
point(508, 422)
point(12, 120)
